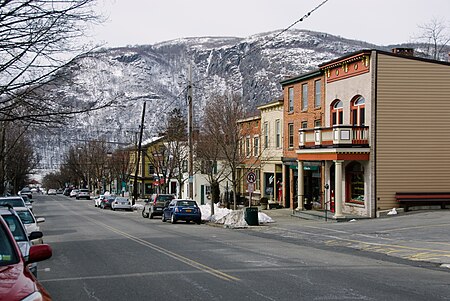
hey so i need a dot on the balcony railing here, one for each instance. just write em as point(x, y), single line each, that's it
point(336, 136)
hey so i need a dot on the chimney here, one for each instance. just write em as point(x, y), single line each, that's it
point(403, 51)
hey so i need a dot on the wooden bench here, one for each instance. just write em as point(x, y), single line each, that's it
point(409, 199)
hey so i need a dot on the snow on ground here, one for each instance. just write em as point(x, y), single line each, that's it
point(138, 207)
point(223, 216)
point(230, 218)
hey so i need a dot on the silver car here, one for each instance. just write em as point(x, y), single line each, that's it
point(83, 194)
point(20, 234)
point(30, 222)
point(121, 203)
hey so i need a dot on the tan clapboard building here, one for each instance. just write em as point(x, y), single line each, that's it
point(385, 130)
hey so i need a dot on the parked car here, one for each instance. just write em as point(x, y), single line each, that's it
point(17, 282)
point(26, 191)
point(106, 202)
point(59, 191)
point(51, 191)
point(73, 193)
point(67, 191)
point(186, 210)
point(30, 222)
point(28, 202)
point(121, 203)
point(20, 234)
point(15, 201)
point(83, 194)
point(155, 205)
point(98, 200)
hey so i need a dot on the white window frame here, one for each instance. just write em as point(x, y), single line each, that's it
point(278, 133)
point(256, 146)
point(291, 99)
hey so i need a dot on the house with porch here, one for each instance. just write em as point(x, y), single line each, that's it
point(385, 130)
point(303, 109)
point(271, 153)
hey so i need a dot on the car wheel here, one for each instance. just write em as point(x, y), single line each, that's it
point(173, 220)
point(198, 222)
point(144, 214)
point(163, 218)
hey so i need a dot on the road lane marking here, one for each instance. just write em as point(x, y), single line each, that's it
point(240, 271)
point(332, 237)
point(162, 250)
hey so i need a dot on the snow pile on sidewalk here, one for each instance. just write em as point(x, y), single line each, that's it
point(138, 207)
point(230, 218)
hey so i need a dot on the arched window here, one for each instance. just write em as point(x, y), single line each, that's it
point(358, 111)
point(337, 112)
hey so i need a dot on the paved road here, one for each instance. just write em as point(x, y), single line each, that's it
point(419, 236)
point(106, 255)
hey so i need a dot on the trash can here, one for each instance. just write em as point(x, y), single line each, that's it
point(251, 216)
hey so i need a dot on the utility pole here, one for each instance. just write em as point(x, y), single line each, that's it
point(141, 130)
point(190, 139)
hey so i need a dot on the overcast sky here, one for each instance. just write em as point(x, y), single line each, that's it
point(382, 22)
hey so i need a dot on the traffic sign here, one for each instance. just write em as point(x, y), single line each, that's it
point(251, 177)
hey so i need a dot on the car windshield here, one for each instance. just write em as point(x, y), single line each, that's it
point(7, 253)
point(26, 217)
point(16, 227)
point(164, 198)
point(18, 202)
point(187, 203)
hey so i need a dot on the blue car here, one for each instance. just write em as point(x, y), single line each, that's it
point(182, 210)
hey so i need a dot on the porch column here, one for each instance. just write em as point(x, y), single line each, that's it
point(300, 183)
point(338, 189)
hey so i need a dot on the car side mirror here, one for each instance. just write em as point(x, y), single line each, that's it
point(40, 220)
point(35, 235)
point(31, 201)
point(39, 253)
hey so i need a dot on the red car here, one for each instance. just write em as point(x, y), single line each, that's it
point(16, 281)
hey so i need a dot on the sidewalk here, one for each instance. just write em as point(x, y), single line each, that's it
point(417, 235)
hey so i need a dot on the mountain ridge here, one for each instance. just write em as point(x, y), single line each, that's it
point(159, 73)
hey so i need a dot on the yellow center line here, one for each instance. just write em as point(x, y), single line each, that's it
point(181, 258)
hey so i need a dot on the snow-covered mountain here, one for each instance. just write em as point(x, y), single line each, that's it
point(159, 74)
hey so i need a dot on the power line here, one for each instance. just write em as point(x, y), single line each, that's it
point(184, 91)
point(271, 39)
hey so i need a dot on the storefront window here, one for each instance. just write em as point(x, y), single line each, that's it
point(355, 183)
